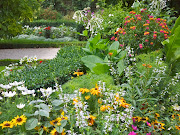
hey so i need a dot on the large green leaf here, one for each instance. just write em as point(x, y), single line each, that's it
point(43, 113)
point(172, 46)
point(31, 123)
point(120, 66)
point(177, 23)
point(114, 46)
point(91, 60)
point(101, 68)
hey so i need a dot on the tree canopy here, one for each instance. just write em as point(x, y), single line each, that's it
point(12, 13)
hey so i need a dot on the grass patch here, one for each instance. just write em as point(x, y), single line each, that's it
point(2, 68)
point(25, 43)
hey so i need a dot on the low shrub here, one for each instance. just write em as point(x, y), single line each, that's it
point(86, 81)
point(45, 74)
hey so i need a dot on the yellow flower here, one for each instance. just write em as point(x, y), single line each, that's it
point(95, 91)
point(91, 120)
point(178, 127)
point(75, 100)
point(87, 97)
point(78, 73)
point(104, 107)
point(19, 120)
point(158, 125)
point(137, 118)
point(7, 124)
point(100, 101)
point(54, 122)
point(83, 90)
point(41, 127)
point(54, 132)
point(144, 119)
point(157, 115)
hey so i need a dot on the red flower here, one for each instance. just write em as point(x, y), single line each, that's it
point(40, 62)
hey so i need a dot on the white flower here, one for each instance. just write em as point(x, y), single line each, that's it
point(22, 88)
point(35, 58)
point(16, 83)
point(1, 98)
point(20, 106)
point(47, 92)
point(5, 86)
point(29, 59)
point(10, 94)
point(176, 107)
point(26, 92)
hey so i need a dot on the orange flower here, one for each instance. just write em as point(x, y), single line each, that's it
point(146, 33)
point(110, 53)
point(144, 65)
point(146, 24)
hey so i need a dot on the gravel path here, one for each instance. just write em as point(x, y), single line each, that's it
point(41, 53)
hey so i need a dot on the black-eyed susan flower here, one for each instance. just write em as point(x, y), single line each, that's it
point(157, 115)
point(137, 118)
point(83, 90)
point(78, 73)
point(19, 120)
point(87, 97)
point(54, 132)
point(91, 120)
point(178, 127)
point(55, 122)
point(144, 119)
point(7, 124)
point(95, 91)
point(158, 125)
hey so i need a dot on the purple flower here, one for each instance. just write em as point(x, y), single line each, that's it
point(148, 134)
point(134, 127)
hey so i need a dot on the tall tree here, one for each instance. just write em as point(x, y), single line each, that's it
point(12, 13)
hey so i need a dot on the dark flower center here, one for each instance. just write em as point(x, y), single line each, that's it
point(56, 133)
point(7, 124)
point(19, 120)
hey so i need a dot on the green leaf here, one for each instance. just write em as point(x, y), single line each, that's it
point(63, 123)
point(122, 54)
point(57, 102)
point(91, 60)
point(114, 46)
point(36, 101)
point(177, 23)
point(59, 129)
point(101, 68)
point(120, 66)
point(41, 131)
point(85, 33)
point(31, 123)
point(45, 107)
point(87, 50)
point(43, 113)
point(138, 90)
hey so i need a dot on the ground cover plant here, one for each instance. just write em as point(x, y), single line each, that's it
point(124, 87)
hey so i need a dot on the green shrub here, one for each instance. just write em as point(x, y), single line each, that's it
point(45, 74)
point(86, 81)
point(49, 14)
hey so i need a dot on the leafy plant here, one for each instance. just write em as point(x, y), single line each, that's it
point(172, 45)
point(101, 55)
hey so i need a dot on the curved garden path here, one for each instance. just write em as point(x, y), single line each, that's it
point(41, 53)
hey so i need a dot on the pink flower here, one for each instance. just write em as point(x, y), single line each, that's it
point(150, 16)
point(132, 133)
point(147, 21)
point(147, 28)
point(149, 124)
point(155, 32)
point(140, 46)
point(134, 127)
point(134, 120)
point(121, 45)
point(148, 134)
point(146, 40)
point(113, 38)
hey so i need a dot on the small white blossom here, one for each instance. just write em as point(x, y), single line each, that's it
point(20, 106)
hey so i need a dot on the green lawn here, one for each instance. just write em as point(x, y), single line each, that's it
point(2, 68)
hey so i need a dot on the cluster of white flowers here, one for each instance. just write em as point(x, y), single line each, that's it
point(9, 68)
point(81, 113)
point(158, 4)
point(15, 86)
point(47, 92)
point(28, 59)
